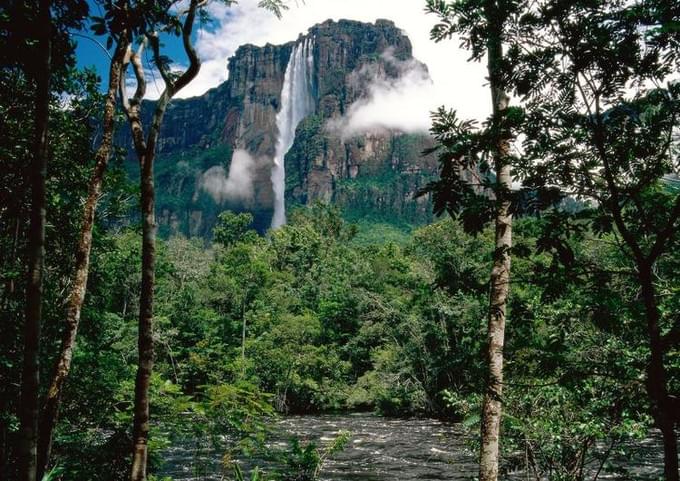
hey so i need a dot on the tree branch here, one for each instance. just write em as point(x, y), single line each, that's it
point(122, 88)
point(172, 85)
point(667, 233)
point(194, 62)
point(166, 75)
point(76, 34)
point(138, 67)
point(615, 202)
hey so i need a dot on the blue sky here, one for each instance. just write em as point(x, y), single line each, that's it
point(90, 51)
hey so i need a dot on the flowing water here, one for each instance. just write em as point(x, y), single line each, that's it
point(297, 101)
point(382, 449)
point(391, 449)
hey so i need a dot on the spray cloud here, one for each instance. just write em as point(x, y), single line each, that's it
point(237, 186)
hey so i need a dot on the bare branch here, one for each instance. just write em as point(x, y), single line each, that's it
point(76, 34)
point(194, 62)
point(122, 89)
point(138, 67)
point(158, 61)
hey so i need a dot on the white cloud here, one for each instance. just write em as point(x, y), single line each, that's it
point(403, 103)
point(455, 82)
point(237, 186)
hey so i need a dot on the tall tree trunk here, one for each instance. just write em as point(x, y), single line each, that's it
point(662, 407)
point(500, 273)
point(76, 296)
point(146, 154)
point(28, 410)
point(145, 342)
point(243, 338)
point(145, 339)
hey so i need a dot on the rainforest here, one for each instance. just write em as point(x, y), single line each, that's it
point(334, 241)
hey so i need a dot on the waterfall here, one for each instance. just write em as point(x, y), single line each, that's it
point(297, 101)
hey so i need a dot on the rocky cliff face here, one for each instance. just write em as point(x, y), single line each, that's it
point(369, 173)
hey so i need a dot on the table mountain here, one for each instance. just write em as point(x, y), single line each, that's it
point(372, 173)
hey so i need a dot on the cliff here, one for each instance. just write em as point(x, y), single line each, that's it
point(371, 173)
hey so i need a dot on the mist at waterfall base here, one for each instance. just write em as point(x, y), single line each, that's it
point(297, 101)
point(236, 186)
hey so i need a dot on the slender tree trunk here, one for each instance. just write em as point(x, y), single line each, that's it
point(140, 427)
point(145, 342)
point(4, 441)
point(662, 407)
point(28, 409)
point(499, 285)
point(76, 296)
point(243, 337)
point(500, 273)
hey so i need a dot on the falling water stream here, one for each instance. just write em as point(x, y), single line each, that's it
point(297, 101)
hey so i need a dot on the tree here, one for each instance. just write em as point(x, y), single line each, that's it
point(78, 288)
point(37, 56)
point(602, 127)
point(478, 199)
point(40, 73)
point(146, 150)
point(231, 229)
point(154, 19)
point(69, 153)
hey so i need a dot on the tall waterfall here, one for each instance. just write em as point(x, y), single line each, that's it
point(297, 101)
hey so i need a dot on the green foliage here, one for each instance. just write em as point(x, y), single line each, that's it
point(573, 389)
point(335, 324)
point(600, 124)
point(298, 462)
point(232, 228)
point(255, 474)
point(304, 463)
point(53, 474)
point(464, 183)
point(275, 6)
point(74, 99)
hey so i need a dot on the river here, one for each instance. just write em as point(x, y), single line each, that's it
point(390, 449)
